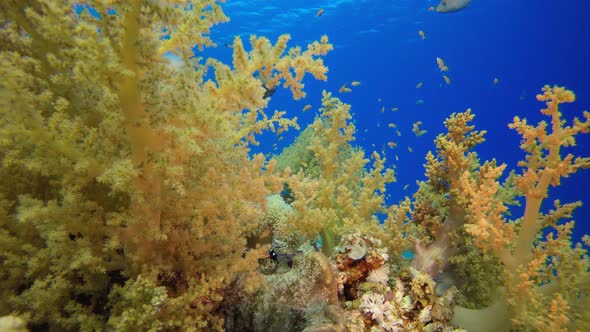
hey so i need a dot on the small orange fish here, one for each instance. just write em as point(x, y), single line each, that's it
point(355, 83)
point(344, 89)
point(320, 12)
point(395, 109)
point(416, 129)
point(441, 64)
point(421, 34)
point(419, 85)
point(447, 79)
point(431, 8)
point(306, 108)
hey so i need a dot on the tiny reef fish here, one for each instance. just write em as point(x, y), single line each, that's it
point(441, 64)
point(344, 89)
point(447, 79)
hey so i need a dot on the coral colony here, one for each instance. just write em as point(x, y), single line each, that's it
point(130, 199)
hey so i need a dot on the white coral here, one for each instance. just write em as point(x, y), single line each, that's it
point(372, 304)
point(380, 275)
point(383, 312)
point(392, 324)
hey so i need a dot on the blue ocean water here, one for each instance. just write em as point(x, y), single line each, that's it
point(524, 44)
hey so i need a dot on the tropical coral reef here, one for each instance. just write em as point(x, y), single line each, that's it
point(131, 200)
point(128, 191)
point(531, 278)
point(545, 278)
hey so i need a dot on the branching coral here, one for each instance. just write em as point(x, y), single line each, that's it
point(129, 192)
point(520, 273)
point(346, 195)
point(437, 209)
point(125, 170)
point(537, 271)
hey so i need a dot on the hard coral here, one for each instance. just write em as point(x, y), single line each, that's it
point(359, 258)
point(412, 305)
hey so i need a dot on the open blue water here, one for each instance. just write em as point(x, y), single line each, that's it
point(524, 44)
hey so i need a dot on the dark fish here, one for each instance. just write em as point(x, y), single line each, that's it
point(447, 6)
point(267, 91)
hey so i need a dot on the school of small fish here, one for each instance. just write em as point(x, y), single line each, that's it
point(416, 129)
point(344, 89)
point(444, 6)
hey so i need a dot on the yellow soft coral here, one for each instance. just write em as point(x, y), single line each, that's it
point(485, 211)
point(346, 195)
point(529, 261)
point(122, 166)
point(544, 163)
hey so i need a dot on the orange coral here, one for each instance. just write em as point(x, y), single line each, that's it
point(530, 262)
point(544, 166)
point(124, 164)
point(346, 194)
point(273, 66)
point(485, 210)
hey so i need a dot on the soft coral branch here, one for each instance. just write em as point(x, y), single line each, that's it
point(545, 165)
point(529, 260)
